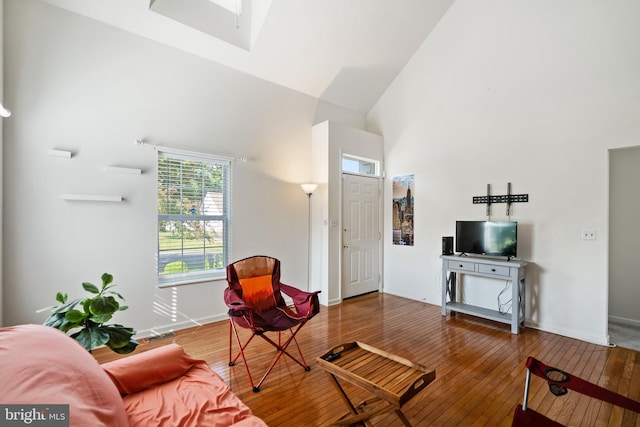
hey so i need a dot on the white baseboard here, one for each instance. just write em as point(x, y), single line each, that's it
point(177, 326)
point(600, 340)
point(163, 329)
point(403, 295)
point(625, 321)
point(604, 340)
point(335, 301)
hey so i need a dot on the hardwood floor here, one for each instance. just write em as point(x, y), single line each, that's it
point(479, 366)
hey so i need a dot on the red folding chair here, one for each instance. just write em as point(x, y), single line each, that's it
point(255, 302)
point(559, 384)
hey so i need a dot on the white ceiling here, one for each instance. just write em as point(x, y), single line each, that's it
point(346, 52)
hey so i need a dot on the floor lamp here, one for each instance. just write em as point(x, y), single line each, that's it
point(309, 189)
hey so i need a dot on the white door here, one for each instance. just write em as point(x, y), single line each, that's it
point(360, 235)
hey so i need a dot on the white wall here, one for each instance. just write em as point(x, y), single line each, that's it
point(79, 85)
point(532, 93)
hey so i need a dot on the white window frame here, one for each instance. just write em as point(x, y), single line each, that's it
point(360, 160)
point(168, 280)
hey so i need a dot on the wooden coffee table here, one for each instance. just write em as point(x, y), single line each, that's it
point(392, 380)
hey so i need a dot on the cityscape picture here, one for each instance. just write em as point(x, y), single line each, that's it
point(403, 190)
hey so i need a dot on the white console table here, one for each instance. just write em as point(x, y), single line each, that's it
point(513, 271)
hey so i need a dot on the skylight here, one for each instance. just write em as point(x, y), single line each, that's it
point(234, 6)
point(234, 21)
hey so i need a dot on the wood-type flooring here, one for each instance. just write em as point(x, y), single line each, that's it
point(479, 365)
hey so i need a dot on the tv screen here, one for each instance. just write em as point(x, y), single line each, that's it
point(497, 238)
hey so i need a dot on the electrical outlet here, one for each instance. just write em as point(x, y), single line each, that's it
point(588, 234)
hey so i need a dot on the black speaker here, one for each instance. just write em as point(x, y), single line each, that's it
point(447, 245)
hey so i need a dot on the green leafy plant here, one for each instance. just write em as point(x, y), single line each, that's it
point(90, 317)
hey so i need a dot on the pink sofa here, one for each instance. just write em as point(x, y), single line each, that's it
point(160, 387)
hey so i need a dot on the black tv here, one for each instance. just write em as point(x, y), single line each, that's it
point(495, 238)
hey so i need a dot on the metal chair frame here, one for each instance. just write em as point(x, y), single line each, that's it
point(280, 347)
point(559, 383)
point(306, 305)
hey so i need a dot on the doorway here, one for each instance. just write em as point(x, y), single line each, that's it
point(361, 235)
point(624, 246)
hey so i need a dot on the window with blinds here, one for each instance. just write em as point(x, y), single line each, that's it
point(193, 218)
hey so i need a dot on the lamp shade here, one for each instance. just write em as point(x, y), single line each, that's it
point(309, 188)
point(4, 112)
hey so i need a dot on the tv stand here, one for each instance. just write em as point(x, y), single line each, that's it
point(493, 268)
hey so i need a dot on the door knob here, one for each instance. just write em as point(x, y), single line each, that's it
point(345, 246)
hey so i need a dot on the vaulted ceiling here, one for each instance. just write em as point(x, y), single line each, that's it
point(345, 52)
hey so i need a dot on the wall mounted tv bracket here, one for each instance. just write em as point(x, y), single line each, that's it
point(507, 198)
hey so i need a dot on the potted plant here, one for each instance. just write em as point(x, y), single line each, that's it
point(91, 316)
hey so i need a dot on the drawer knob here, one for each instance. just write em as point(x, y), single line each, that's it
point(493, 269)
point(460, 266)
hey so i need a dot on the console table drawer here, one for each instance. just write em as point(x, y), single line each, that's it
point(493, 269)
point(462, 265)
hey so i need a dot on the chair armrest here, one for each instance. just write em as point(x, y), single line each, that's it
point(233, 300)
point(306, 303)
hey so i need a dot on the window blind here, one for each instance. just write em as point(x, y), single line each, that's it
point(193, 217)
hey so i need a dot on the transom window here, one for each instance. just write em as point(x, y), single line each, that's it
point(193, 218)
point(360, 165)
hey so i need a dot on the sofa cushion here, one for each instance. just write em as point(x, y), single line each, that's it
point(198, 398)
point(144, 370)
point(166, 387)
point(42, 366)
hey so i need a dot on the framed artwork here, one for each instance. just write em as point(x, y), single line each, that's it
point(402, 223)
